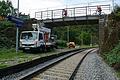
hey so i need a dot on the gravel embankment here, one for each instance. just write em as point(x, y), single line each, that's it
point(94, 68)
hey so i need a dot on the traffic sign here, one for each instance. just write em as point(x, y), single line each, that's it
point(19, 22)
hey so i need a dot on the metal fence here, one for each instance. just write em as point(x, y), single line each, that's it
point(72, 12)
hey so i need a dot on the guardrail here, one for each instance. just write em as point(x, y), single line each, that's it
point(72, 12)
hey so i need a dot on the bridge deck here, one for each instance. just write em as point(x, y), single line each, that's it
point(71, 21)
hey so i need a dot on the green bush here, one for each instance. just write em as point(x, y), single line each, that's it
point(113, 57)
point(5, 42)
point(6, 24)
point(61, 43)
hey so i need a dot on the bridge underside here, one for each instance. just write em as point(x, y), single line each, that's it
point(68, 21)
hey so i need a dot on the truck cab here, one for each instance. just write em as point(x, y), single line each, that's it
point(32, 40)
point(38, 39)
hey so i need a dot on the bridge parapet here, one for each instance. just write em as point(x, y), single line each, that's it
point(72, 12)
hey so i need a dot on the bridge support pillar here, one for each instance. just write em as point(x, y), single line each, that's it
point(102, 21)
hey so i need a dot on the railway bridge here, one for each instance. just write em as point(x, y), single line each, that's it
point(74, 16)
point(86, 15)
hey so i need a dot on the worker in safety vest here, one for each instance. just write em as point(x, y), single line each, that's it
point(64, 12)
point(99, 9)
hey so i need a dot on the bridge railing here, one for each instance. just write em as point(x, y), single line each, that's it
point(72, 12)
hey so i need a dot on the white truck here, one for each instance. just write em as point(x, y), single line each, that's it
point(38, 39)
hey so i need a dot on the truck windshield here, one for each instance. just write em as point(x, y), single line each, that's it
point(29, 35)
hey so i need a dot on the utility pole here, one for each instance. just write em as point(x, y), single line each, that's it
point(68, 33)
point(91, 43)
point(17, 29)
point(67, 1)
point(113, 5)
point(82, 38)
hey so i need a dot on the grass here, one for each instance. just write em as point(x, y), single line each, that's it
point(9, 54)
point(88, 46)
point(118, 74)
point(9, 57)
point(3, 65)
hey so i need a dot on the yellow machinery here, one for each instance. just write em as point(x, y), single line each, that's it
point(71, 45)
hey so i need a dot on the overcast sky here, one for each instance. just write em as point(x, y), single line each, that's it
point(30, 6)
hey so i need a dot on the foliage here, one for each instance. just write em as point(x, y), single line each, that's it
point(78, 33)
point(118, 74)
point(5, 42)
point(111, 31)
point(5, 24)
point(111, 44)
point(86, 38)
point(6, 8)
point(113, 57)
point(61, 43)
point(116, 14)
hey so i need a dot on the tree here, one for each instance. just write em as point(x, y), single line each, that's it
point(80, 34)
point(112, 31)
point(6, 8)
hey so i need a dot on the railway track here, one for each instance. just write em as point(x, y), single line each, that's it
point(64, 70)
point(60, 68)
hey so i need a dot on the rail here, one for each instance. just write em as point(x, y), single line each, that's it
point(72, 12)
point(21, 70)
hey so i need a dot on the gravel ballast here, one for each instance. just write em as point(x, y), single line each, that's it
point(94, 68)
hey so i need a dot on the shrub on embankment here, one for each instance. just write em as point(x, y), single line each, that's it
point(7, 33)
point(111, 31)
point(6, 42)
point(113, 57)
point(61, 43)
